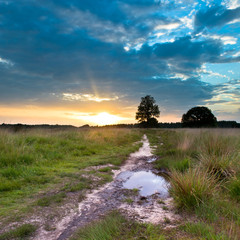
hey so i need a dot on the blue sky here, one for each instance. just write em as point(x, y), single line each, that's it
point(69, 61)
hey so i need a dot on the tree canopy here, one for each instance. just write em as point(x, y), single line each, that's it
point(199, 117)
point(147, 111)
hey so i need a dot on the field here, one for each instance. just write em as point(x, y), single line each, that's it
point(42, 169)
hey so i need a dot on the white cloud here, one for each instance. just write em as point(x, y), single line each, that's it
point(187, 22)
point(232, 4)
point(225, 39)
point(237, 54)
point(182, 76)
point(169, 26)
point(211, 73)
point(5, 61)
point(86, 97)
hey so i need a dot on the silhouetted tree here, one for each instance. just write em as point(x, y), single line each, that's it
point(147, 111)
point(199, 117)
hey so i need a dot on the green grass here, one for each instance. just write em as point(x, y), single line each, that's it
point(205, 231)
point(23, 232)
point(192, 188)
point(41, 160)
point(204, 171)
point(48, 200)
point(128, 200)
point(40, 168)
point(234, 188)
point(115, 227)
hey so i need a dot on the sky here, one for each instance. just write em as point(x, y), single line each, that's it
point(90, 61)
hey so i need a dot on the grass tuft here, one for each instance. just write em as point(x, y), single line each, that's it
point(192, 188)
point(23, 232)
point(234, 188)
point(48, 200)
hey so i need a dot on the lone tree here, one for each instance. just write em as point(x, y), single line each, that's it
point(147, 111)
point(199, 117)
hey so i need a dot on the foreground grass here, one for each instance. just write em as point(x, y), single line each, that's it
point(115, 226)
point(204, 170)
point(38, 161)
point(23, 232)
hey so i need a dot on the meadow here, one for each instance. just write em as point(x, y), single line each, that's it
point(203, 167)
point(204, 172)
point(40, 167)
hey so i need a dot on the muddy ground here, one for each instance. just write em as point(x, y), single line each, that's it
point(141, 205)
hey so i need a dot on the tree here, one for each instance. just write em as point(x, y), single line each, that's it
point(199, 117)
point(147, 111)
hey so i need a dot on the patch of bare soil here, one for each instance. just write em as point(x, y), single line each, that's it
point(154, 207)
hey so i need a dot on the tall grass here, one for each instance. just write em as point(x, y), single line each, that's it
point(210, 183)
point(192, 188)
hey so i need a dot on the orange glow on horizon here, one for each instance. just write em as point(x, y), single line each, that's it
point(101, 119)
point(64, 116)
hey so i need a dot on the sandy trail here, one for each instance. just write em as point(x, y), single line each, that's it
point(113, 196)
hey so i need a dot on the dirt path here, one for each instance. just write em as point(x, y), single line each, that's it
point(139, 205)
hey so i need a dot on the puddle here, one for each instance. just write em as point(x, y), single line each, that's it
point(148, 183)
point(151, 159)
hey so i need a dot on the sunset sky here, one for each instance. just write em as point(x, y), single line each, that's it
point(90, 61)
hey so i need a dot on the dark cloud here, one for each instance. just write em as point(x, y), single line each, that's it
point(215, 16)
point(186, 55)
point(186, 49)
point(78, 46)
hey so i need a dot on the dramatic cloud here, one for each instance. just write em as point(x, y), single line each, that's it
point(107, 54)
point(215, 16)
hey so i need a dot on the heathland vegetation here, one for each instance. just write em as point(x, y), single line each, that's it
point(40, 168)
point(203, 167)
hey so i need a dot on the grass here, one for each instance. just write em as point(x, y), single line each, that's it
point(115, 226)
point(192, 188)
point(128, 200)
point(23, 232)
point(48, 200)
point(234, 188)
point(52, 161)
point(205, 231)
point(40, 168)
point(205, 177)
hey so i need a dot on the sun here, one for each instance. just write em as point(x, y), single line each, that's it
point(105, 118)
point(100, 119)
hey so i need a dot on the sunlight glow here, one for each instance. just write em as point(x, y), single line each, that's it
point(101, 119)
point(85, 97)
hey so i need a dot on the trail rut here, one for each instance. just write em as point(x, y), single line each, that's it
point(154, 208)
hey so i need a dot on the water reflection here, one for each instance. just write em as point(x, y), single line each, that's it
point(148, 183)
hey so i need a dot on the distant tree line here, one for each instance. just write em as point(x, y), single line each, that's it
point(148, 111)
point(23, 127)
